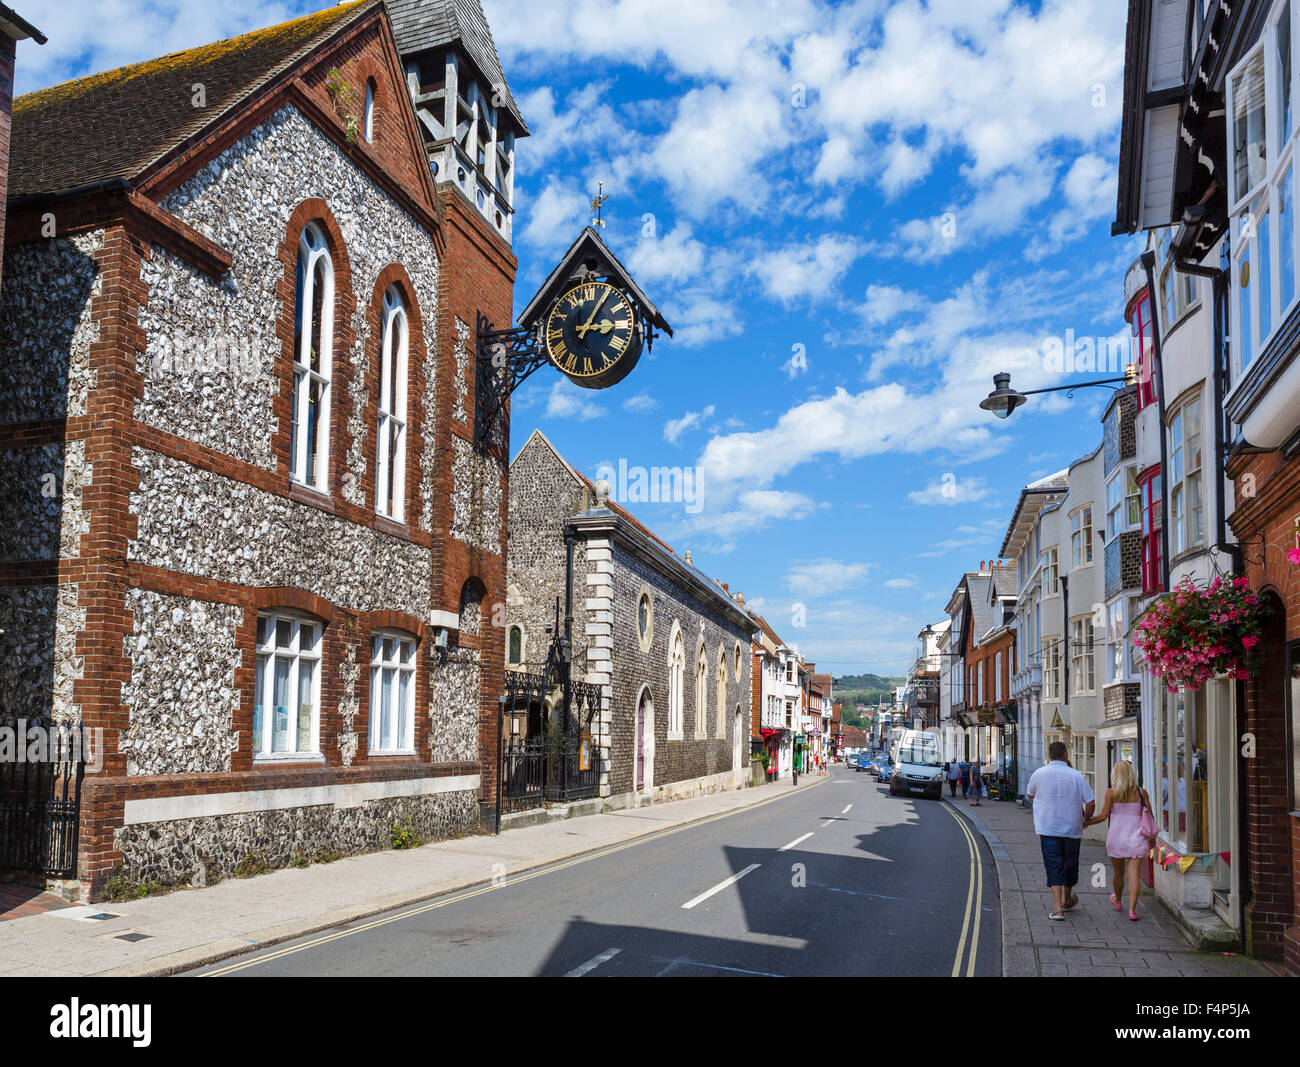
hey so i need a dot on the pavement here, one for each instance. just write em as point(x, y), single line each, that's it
point(189, 928)
point(1095, 939)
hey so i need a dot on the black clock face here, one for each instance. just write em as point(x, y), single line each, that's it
point(591, 335)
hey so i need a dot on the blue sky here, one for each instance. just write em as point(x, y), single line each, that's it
point(852, 214)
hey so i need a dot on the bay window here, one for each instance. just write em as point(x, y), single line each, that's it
point(1123, 503)
point(1261, 141)
point(392, 693)
point(286, 700)
point(1152, 524)
point(313, 339)
point(1141, 324)
point(390, 480)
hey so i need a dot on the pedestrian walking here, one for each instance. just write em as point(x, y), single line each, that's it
point(976, 785)
point(964, 768)
point(1063, 800)
point(953, 774)
point(1130, 835)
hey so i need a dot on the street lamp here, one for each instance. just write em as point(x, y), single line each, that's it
point(1004, 400)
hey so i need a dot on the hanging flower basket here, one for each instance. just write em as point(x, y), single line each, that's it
point(1192, 634)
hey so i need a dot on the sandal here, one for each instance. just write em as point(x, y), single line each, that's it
point(1059, 916)
point(1133, 916)
point(1115, 900)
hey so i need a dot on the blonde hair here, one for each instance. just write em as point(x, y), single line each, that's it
point(1124, 783)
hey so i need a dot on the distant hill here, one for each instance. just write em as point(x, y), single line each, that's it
point(862, 689)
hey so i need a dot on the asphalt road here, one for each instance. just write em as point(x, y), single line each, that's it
point(840, 879)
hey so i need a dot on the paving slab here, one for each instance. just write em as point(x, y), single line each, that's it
point(1094, 939)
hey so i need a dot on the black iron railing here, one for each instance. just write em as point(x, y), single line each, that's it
point(40, 807)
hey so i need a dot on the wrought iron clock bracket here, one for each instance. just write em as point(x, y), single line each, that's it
point(504, 360)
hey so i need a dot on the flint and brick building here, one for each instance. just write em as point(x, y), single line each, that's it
point(245, 363)
point(669, 646)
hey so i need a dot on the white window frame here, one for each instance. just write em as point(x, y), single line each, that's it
point(397, 735)
point(1081, 536)
point(676, 683)
point(1263, 200)
point(1051, 668)
point(1084, 748)
point(268, 650)
point(1083, 661)
point(390, 435)
point(1185, 482)
point(1052, 569)
point(312, 252)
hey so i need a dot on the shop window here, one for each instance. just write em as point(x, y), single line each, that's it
point(392, 693)
point(1184, 770)
point(286, 701)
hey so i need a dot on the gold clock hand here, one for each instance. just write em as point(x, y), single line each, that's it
point(584, 329)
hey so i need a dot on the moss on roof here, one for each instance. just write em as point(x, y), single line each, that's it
point(118, 123)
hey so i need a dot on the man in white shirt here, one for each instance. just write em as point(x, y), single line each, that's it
point(1063, 799)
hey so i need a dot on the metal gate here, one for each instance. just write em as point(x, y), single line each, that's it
point(553, 767)
point(40, 806)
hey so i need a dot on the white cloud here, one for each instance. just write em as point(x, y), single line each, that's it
point(813, 576)
point(555, 217)
point(887, 302)
point(950, 490)
point(640, 404)
point(900, 583)
point(568, 401)
point(700, 317)
point(806, 271)
point(674, 428)
point(676, 256)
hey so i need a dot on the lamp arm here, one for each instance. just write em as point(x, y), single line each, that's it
point(1071, 388)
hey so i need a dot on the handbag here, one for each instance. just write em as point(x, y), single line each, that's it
point(1147, 825)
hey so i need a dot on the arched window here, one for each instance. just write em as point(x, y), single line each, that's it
point(722, 693)
point(701, 690)
point(370, 110)
point(515, 646)
point(313, 337)
point(676, 684)
point(390, 464)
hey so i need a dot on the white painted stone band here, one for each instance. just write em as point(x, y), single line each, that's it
point(206, 806)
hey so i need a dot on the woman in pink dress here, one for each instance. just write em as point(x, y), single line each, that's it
point(1125, 844)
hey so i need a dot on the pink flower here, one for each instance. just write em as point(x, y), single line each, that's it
point(1294, 555)
point(1249, 641)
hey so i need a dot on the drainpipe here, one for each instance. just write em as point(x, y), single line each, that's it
point(1149, 264)
point(1065, 640)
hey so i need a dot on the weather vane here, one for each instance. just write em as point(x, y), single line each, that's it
point(597, 204)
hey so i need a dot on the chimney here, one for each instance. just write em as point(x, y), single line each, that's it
point(726, 588)
point(740, 598)
point(688, 558)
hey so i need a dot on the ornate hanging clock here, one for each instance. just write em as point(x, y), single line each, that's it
point(592, 334)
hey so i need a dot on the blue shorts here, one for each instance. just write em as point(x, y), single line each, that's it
point(1061, 859)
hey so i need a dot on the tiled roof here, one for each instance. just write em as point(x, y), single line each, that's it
point(117, 124)
point(419, 25)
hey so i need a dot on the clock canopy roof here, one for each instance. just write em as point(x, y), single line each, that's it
point(590, 253)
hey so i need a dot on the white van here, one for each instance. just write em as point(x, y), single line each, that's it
point(917, 767)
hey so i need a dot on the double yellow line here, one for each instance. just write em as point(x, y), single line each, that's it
point(970, 926)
